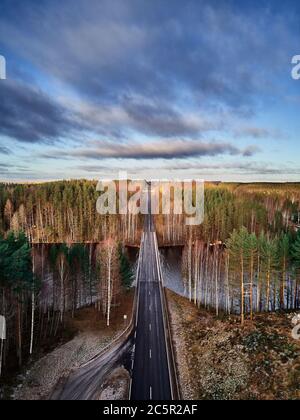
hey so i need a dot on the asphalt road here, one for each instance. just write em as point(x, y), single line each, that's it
point(146, 344)
point(151, 378)
point(85, 382)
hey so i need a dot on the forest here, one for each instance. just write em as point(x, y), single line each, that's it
point(57, 255)
point(249, 258)
point(42, 284)
point(62, 212)
point(248, 273)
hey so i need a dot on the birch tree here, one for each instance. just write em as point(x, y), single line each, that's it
point(296, 257)
point(110, 276)
point(268, 251)
point(284, 254)
point(238, 249)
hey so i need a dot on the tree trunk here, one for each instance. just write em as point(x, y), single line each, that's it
point(110, 251)
point(32, 308)
point(216, 281)
point(228, 309)
point(19, 334)
point(268, 292)
point(258, 286)
point(282, 286)
point(242, 292)
point(251, 285)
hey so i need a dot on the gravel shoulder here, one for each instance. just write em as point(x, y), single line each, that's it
point(37, 383)
point(39, 379)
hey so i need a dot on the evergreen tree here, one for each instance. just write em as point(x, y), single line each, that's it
point(252, 253)
point(125, 269)
point(238, 249)
point(269, 264)
point(16, 275)
point(296, 258)
point(283, 255)
point(296, 250)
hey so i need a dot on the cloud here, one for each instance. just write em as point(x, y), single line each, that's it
point(4, 165)
point(133, 70)
point(158, 118)
point(143, 115)
point(258, 132)
point(165, 149)
point(196, 169)
point(250, 151)
point(106, 50)
point(10, 169)
point(4, 150)
point(29, 115)
point(251, 168)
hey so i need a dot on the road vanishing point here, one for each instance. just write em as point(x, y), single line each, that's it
point(153, 372)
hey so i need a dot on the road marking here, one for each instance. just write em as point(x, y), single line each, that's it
point(149, 307)
point(130, 389)
point(150, 354)
point(150, 392)
point(150, 327)
point(133, 355)
point(135, 335)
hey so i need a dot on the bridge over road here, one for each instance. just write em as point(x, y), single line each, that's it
point(148, 338)
point(154, 374)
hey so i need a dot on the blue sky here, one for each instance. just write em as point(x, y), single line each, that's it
point(158, 88)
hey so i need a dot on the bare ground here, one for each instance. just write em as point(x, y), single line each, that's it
point(38, 381)
point(220, 359)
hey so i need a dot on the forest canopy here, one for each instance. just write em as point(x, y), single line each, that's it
point(57, 254)
point(65, 211)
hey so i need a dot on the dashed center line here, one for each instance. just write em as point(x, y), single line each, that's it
point(150, 392)
point(150, 354)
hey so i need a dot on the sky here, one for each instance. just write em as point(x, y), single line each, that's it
point(158, 88)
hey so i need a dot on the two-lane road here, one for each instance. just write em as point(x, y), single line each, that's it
point(150, 368)
point(151, 376)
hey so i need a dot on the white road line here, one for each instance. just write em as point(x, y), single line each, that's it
point(150, 327)
point(150, 392)
point(150, 354)
point(161, 285)
point(135, 335)
point(133, 357)
point(130, 389)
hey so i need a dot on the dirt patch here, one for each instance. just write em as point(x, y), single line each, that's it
point(89, 319)
point(220, 359)
point(38, 380)
point(116, 386)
